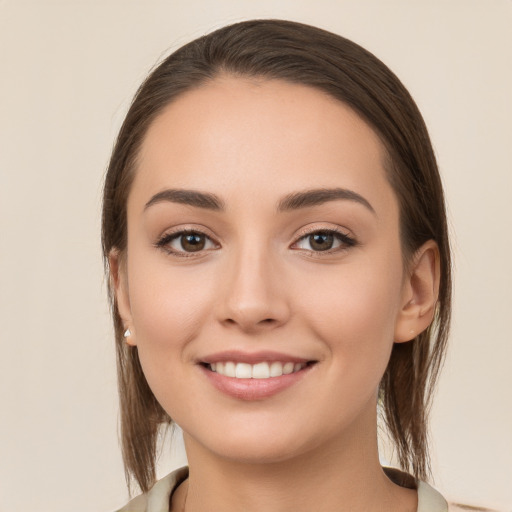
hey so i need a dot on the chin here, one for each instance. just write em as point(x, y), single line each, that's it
point(259, 445)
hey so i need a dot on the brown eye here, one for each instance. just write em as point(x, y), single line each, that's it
point(321, 241)
point(186, 242)
point(325, 240)
point(192, 242)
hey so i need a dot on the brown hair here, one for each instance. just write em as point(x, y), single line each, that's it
point(297, 53)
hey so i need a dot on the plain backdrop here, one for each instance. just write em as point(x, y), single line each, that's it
point(68, 71)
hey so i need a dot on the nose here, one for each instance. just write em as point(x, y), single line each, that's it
point(254, 297)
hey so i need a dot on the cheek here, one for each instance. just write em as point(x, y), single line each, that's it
point(168, 309)
point(354, 311)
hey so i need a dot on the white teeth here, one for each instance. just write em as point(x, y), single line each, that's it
point(229, 369)
point(288, 368)
point(261, 370)
point(276, 369)
point(243, 371)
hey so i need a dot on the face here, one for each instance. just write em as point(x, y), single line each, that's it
point(263, 242)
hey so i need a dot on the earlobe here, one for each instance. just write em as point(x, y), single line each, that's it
point(420, 293)
point(119, 286)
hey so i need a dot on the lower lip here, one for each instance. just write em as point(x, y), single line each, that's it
point(254, 389)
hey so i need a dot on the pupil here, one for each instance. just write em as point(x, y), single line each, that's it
point(193, 242)
point(321, 241)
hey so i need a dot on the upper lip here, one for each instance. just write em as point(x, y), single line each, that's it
point(251, 357)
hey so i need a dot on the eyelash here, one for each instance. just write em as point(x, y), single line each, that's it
point(165, 240)
point(345, 240)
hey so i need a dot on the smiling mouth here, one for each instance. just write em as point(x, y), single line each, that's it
point(262, 370)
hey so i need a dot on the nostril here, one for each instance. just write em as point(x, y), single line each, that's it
point(267, 322)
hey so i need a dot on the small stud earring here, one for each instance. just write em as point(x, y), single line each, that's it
point(127, 333)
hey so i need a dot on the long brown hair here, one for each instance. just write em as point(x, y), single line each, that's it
point(296, 53)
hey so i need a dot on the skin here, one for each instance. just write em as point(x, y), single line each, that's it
point(259, 285)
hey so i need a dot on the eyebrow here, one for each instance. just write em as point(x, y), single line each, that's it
point(293, 201)
point(188, 197)
point(314, 197)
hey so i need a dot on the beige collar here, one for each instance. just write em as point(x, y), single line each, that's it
point(158, 498)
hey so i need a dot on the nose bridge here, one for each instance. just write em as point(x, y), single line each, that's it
point(254, 296)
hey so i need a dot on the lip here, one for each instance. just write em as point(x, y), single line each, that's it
point(253, 389)
point(251, 357)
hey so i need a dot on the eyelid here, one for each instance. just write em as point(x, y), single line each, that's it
point(346, 239)
point(170, 235)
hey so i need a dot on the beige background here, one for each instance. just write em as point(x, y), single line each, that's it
point(68, 71)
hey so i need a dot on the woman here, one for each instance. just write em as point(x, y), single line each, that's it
point(275, 233)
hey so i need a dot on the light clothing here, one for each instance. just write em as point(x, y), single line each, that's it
point(158, 497)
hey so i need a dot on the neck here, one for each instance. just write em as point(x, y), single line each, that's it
point(343, 475)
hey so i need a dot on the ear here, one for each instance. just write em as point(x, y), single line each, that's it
point(419, 293)
point(119, 284)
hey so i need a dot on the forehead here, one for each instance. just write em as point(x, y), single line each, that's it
point(265, 137)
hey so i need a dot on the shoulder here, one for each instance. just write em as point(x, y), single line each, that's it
point(158, 497)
